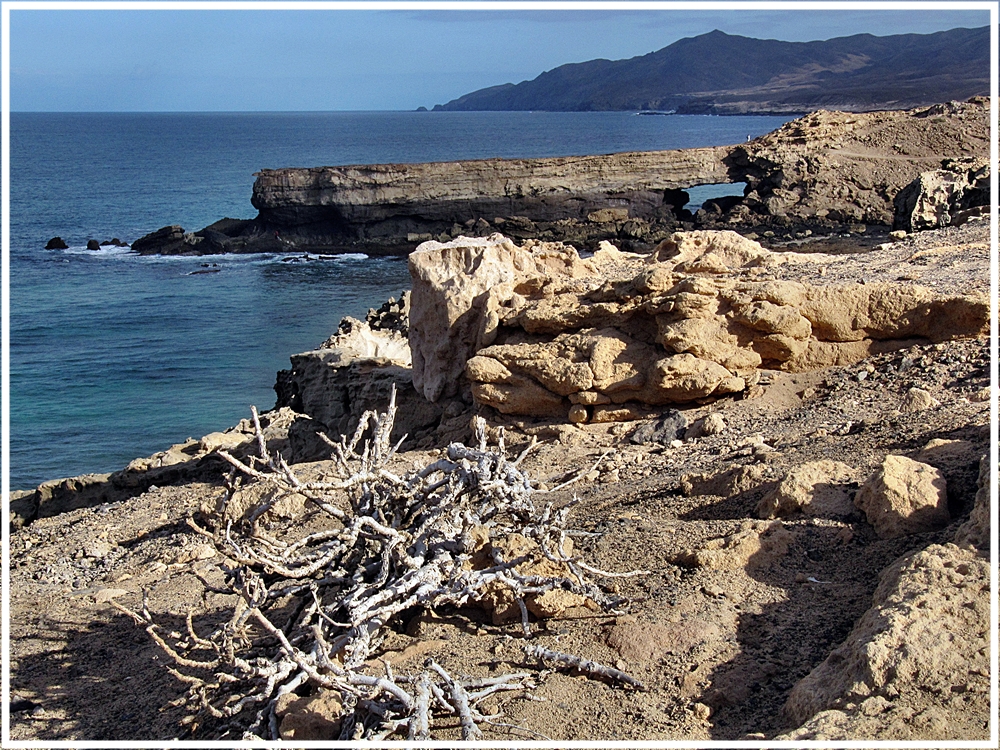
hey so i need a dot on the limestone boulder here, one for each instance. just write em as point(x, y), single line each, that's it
point(817, 488)
point(976, 531)
point(756, 545)
point(904, 496)
point(458, 287)
point(535, 329)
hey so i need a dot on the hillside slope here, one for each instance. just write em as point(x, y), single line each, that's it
point(725, 74)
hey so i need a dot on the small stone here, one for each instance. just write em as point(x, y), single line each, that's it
point(710, 424)
point(897, 234)
point(983, 394)
point(701, 711)
point(917, 399)
point(592, 476)
point(98, 550)
point(578, 414)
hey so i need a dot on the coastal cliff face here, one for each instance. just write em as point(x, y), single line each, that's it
point(827, 172)
point(389, 203)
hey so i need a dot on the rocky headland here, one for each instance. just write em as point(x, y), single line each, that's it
point(789, 445)
point(827, 173)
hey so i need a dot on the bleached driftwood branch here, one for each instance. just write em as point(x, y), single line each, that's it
point(313, 607)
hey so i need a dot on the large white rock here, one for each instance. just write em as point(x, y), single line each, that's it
point(458, 287)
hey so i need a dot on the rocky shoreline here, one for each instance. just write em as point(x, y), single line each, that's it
point(792, 442)
point(827, 173)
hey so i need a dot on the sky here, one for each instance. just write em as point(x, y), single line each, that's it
point(326, 60)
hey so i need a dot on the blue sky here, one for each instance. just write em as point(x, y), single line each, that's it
point(201, 60)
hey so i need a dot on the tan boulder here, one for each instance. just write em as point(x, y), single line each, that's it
point(976, 531)
point(756, 544)
point(710, 424)
point(917, 399)
point(521, 396)
point(693, 320)
point(685, 377)
point(729, 248)
point(727, 483)
point(817, 488)
point(926, 633)
point(904, 496)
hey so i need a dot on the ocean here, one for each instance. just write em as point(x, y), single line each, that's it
point(115, 356)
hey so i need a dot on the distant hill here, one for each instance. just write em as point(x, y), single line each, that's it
point(725, 74)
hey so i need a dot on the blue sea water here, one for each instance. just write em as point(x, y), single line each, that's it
point(115, 356)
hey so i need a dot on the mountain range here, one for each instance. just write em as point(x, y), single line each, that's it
point(719, 73)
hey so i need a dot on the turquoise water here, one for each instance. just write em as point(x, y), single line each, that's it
point(115, 356)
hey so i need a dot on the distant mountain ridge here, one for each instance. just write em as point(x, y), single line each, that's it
point(719, 73)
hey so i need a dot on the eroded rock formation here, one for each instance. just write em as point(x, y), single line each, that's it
point(538, 330)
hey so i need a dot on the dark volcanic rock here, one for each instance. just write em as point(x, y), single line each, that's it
point(93, 245)
point(670, 426)
point(56, 243)
point(170, 240)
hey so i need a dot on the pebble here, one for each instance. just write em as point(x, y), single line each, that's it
point(702, 711)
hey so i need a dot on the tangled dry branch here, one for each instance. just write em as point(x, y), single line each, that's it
point(314, 600)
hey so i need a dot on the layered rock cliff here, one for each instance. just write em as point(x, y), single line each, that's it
point(829, 171)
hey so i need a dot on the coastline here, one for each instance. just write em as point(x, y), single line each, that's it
point(831, 172)
point(719, 558)
point(746, 410)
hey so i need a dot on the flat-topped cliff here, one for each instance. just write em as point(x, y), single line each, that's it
point(827, 171)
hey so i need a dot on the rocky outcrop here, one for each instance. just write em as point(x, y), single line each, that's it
point(184, 462)
point(370, 204)
point(538, 330)
point(939, 197)
point(925, 634)
point(355, 371)
point(847, 167)
point(827, 169)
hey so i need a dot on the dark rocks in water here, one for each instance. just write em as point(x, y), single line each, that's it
point(56, 243)
point(164, 241)
point(93, 245)
point(114, 242)
point(213, 242)
point(670, 426)
point(202, 271)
